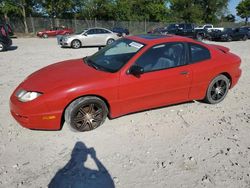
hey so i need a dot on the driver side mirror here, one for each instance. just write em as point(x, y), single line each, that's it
point(85, 34)
point(136, 70)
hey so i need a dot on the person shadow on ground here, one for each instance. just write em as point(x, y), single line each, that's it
point(75, 175)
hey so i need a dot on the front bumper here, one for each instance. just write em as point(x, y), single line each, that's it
point(28, 117)
point(65, 44)
point(39, 34)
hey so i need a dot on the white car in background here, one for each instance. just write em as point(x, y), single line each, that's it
point(89, 37)
point(209, 27)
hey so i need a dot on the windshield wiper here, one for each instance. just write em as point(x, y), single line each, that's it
point(90, 63)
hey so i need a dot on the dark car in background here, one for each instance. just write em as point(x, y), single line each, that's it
point(158, 30)
point(5, 41)
point(228, 34)
point(121, 31)
point(186, 30)
point(54, 31)
point(247, 30)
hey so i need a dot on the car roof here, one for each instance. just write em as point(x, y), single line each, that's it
point(153, 38)
point(98, 28)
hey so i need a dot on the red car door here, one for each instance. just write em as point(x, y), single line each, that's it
point(203, 68)
point(52, 32)
point(166, 79)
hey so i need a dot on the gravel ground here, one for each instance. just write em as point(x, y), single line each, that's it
point(187, 145)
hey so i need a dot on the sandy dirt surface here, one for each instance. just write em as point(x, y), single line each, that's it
point(187, 145)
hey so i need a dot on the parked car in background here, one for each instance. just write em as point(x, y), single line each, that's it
point(89, 37)
point(228, 34)
point(121, 31)
point(186, 30)
point(247, 30)
point(209, 27)
point(5, 41)
point(55, 31)
point(132, 74)
point(158, 30)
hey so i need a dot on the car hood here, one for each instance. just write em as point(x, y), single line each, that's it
point(73, 36)
point(66, 73)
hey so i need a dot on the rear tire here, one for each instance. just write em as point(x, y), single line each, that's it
point(86, 113)
point(110, 41)
point(244, 38)
point(2, 47)
point(229, 39)
point(199, 37)
point(76, 44)
point(217, 89)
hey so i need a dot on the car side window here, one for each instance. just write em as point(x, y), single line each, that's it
point(91, 32)
point(198, 53)
point(162, 56)
point(189, 26)
point(102, 31)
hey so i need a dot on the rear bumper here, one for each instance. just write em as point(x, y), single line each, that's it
point(236, 78)
point(9, 43)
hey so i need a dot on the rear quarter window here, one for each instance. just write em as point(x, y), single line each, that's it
point(198, 53)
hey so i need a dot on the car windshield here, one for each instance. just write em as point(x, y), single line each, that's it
point(78, 33)
point(114, 56)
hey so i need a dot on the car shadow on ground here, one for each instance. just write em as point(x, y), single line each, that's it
point(12, 48)
point(82, 47)
point(75, 175)
point(157, 108)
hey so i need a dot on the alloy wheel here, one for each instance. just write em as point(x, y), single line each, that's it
point(76, 44)
point(1, 47)
point(89, 115)
point(218, 90)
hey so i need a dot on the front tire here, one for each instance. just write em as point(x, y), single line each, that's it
point(45, 36)
point(76, 44)
point(217, 89)
point(86, 113)
point(2, 47)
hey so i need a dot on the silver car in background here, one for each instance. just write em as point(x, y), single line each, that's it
point(89, 37)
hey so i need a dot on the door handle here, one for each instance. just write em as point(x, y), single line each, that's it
point(184, 72)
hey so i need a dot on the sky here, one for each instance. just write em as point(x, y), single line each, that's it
point(232, 7)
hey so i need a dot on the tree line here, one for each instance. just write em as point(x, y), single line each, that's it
point(192, 11)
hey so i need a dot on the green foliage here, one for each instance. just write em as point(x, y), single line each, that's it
point(243, 9)
point(9, 7)
point(198, 11)
point(212, 9)
point(186, 10)
point(94, 9)
point(229, 18)
point(192, 11)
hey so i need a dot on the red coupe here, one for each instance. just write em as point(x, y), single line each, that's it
point(132, 74)
point(54, 31)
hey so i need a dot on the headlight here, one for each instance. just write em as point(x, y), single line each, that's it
point(65, 38)
point(25, 96)
point(224, 35)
